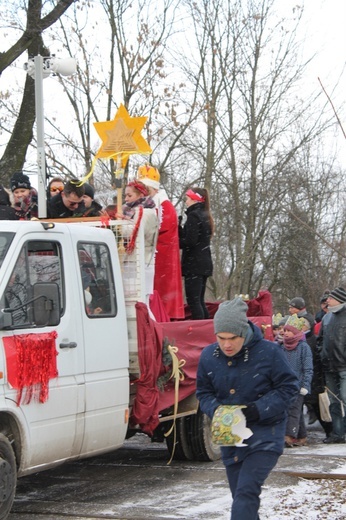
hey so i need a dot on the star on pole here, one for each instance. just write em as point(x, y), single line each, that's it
point(122, 137)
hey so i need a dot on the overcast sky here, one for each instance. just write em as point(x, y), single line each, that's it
point(323, 32)
point(325, 22)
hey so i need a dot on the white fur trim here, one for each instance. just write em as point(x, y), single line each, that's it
point(150, 182)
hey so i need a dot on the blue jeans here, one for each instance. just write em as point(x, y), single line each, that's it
point(245, 481)
point(336, 382)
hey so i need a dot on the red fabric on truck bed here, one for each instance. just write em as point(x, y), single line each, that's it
point(190, 337)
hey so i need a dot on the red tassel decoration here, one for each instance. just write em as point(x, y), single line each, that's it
point(31, 363)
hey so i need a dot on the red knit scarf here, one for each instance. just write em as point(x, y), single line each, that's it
point(291, 343)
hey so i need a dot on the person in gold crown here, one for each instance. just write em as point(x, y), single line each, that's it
point(299, 356)
point(167, 278)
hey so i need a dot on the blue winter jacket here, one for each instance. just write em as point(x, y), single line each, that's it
point(258, 374)
point(300, 360)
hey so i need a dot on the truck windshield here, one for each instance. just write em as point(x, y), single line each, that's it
point(5, 242)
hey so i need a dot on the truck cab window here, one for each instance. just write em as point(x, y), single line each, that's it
point(38, 261)
point(5, 242)
point(97, 280)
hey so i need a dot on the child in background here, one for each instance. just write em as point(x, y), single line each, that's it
point(299, 356)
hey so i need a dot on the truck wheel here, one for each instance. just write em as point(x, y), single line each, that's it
point(182, 449)
point(8, 476)
point(200, 439)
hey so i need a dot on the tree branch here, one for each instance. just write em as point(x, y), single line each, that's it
point(330, 101)
point(30, 33)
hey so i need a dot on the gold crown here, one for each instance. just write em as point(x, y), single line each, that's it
point(294, 321)
point(277, 318)
point(148, 172)
point(244, 297)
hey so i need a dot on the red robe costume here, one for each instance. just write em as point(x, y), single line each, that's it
point(168, 279)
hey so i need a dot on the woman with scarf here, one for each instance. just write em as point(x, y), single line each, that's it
point(194, 240)
point(140, 208)
point(136, 194)
point(299, 356)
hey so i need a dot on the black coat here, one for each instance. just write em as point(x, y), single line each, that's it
point(194, 240)
point(333, 339)
point(57, 209)
point(317, 383)
point(94, 210)
point(6, 211)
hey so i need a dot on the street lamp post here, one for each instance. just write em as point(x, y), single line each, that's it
point(41, 157)
point(39, 68)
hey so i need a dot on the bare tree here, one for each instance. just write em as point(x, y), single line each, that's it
point(219, 81)
point(31, 41)
point(260, 125)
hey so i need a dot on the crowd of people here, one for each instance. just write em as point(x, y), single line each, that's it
point(242, 369)
point(164, 233)
point(64, 199)
point(270, 381)
point(315, 346)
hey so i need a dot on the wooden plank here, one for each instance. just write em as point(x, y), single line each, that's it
point(317, 476)
point(71, 219)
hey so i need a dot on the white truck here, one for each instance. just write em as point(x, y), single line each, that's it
point(70, 373)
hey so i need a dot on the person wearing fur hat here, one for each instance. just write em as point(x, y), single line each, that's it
point(167, 278)
point(299, 356)
point(332, 339)
point(242, 368)
point(24, 196)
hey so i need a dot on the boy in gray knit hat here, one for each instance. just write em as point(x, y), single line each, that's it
point(243, 369)
point(231, 318)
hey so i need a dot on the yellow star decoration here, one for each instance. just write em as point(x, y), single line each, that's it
point(122, 137)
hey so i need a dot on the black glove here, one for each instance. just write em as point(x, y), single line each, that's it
point(251, 413)
point(180, 219)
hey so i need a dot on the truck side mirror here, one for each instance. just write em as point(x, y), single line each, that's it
point(5, 319)
point(46, 300)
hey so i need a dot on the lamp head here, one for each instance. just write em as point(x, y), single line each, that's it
point(65, 67)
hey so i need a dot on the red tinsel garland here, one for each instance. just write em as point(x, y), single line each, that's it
point(105, 220)
point(31, 362)
point(129, 248)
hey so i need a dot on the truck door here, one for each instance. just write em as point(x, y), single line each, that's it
point(54, 428)
point(105, 339)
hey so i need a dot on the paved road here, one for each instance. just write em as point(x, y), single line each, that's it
point(135, 483)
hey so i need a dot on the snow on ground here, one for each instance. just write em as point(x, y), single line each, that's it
point(310, 499)
point(313, 500)
point(323, 500)
point(284, 497)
